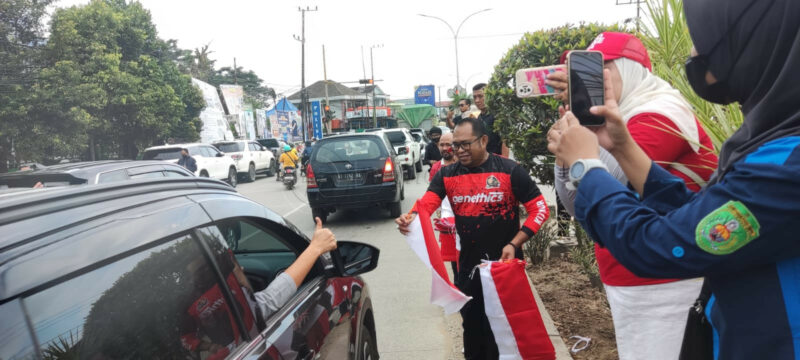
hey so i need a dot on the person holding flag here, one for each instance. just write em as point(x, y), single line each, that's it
point(485, 191)
point(446, 224)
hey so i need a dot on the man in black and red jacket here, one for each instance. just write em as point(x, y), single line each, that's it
point(485, 191)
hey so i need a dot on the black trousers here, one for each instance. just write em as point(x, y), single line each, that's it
point(479, 343)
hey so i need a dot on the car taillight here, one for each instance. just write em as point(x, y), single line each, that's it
point(311, 181)
point(388, 170)
point(236, 157)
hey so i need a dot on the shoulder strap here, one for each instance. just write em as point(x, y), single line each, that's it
point(689, 173)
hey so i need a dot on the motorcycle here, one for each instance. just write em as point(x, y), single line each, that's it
point(289, 178)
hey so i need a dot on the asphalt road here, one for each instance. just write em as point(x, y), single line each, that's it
point(408, 326)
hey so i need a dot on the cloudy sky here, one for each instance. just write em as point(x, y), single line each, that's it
point(416, 50)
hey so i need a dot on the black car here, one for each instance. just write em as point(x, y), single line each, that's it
point(354, 171)
point(93, 172)
point(274, 145)
point(166, 269)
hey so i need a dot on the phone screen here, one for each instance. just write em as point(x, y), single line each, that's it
point(586, 85)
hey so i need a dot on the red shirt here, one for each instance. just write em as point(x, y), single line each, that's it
point(660, 139)
point(434, 168)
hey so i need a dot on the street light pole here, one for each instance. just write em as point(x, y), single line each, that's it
point(302, 40)
point(455, 35)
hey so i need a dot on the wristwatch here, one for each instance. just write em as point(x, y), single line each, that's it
point(579, 169)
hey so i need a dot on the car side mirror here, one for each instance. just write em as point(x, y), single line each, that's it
point(219, 154)
point(353, 258)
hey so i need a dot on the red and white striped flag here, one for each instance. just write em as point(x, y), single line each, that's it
point(512, 312)
point(423, 242)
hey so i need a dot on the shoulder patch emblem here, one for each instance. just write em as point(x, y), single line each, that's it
point(492, 182)
point(727, 229)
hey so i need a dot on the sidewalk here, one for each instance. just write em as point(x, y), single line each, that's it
point(562, 353)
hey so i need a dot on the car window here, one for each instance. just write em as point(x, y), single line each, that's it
point(230, 147)
point(351, 149)
point(211, 151)
point(243, 236)
point(111, 176)
point(255, 147)
point(164, 154)
point(164, 302)
point(148, 175)
point(197, 151)
point(396, 137)
point(15, 341)
point(269, 142)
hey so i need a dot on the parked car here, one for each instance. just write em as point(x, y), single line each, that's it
point(92, 172)
point(250, 157)
point(211, 162)
point(166, 269)
point(274, 145)
point(408, 151)
point(354, 171)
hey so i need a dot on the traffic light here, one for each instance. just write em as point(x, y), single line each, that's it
point(365, 81)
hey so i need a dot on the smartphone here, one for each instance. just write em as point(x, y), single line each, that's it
point(585, 69)
point(530, 82)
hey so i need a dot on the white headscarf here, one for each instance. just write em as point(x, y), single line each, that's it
point(643, 92)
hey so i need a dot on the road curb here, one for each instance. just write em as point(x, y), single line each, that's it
point(562, 353)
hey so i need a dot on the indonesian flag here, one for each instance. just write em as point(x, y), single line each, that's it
point(512, 312)
point(422, 240)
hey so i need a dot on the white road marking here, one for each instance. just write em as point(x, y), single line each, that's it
point(295, 210)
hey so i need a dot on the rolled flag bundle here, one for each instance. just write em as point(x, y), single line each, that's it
point(512, 312)
point(423, 242)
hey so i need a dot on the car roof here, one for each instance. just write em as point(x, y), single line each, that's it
point(104, 221)
point(357, 135)
point(86, 170)
point(175, 146)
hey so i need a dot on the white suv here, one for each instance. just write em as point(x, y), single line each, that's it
point(250, 158)
point(408, 151)
point(211, 162)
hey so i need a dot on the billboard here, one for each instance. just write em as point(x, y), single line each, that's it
point(215, 127)
point(425, 94)
point(316, 118)
point(234, 98)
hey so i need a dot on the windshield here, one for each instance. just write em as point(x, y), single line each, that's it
point(270, 143)
point(348, 150)
point(396, 137)
point(162, 154)
point(230, 147)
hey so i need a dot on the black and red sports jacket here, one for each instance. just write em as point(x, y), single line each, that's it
point(485, 200)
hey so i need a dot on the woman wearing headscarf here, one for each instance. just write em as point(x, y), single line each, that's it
point(738, 232)
point(648, 313)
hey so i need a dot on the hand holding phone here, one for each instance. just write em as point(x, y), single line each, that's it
point(531, 82)
point(586, 85)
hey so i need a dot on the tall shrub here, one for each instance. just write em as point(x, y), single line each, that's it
point(523, 123)
point(666, 36)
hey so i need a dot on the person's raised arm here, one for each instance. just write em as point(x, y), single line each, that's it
point(322, 241)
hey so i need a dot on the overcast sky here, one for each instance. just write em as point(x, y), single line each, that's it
point(416, 50)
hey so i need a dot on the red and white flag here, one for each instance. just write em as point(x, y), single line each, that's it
point(422, 240)
point(512, 312)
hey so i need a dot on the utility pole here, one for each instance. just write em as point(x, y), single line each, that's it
point(366, 94)
point(235, 81)
point(372, 69)
point(638, 10)
point(303, 96)
point(325, 77)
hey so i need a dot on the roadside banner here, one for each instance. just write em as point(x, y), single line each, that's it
point(316, 117)
point(423, 242)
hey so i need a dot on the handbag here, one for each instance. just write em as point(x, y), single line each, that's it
point(698, 335)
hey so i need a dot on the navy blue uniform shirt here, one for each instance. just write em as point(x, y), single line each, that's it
point(742, 234)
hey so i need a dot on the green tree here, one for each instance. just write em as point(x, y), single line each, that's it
point(126, 86)
point(21, 39)
point(523, 123)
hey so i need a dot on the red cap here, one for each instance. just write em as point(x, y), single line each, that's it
point(615, 45)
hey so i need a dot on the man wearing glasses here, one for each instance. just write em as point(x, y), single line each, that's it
point(463, 108)
point(485, 191)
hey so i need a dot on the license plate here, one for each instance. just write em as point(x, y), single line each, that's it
point(349, 179)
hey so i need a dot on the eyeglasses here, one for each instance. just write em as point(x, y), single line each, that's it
point(464, 144)
point(463, 104)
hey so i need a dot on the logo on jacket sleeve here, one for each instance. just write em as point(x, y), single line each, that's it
point(727, 229)
point(492, 182)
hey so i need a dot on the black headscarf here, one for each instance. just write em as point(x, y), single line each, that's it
point(764, 71)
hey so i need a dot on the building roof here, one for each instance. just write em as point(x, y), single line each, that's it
point(368, 89)
point(317, 91)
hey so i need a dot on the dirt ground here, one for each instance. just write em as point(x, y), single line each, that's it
point(577, 308)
